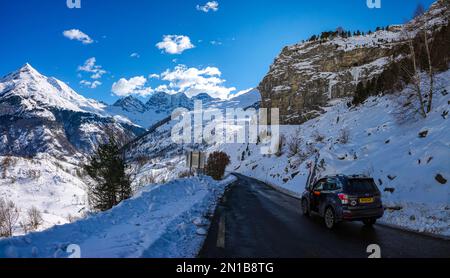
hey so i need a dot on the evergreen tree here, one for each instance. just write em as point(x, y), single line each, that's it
point(420, 10)
point(313, 38)
point(107, 168)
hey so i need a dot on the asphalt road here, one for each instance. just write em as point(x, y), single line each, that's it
point(256, 221)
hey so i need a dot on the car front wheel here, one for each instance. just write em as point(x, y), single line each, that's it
point(330, 218)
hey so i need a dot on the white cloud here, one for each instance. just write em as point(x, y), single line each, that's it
point(215, 42)
point(75, 34)
point(132, 86)
point(181, 79)
point(90, 84)
point(193, 81)
point(91, 67)
point(175, 44)
point(135, 55)
point(210, 6)
point(165, 89)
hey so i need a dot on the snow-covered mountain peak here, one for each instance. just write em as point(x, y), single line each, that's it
point(26, 72)
point(37, 91)
point(28, 69)
point(131, 104)
point(162, 101)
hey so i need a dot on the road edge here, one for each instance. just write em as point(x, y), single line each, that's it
point(226, 183)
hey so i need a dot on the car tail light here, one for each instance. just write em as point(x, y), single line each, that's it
point(343, 198)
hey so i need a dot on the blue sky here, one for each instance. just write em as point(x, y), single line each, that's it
point(239, 40)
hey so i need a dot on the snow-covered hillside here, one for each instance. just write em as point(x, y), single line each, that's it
point(52, 186)
point(408, 156)
point(46, 132)
point(167, 220)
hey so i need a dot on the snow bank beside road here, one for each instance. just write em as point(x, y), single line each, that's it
point(160, 221)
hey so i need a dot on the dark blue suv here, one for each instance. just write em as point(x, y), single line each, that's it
point(343, 198)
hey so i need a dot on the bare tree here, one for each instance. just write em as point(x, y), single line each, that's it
point(280, 145)
point(294, 145)
point(344, 136)
point(9, 215)
point(414, 73)
point(34, 218)
point(430, 71)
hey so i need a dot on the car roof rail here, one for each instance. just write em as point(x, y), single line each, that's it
point(359, 176)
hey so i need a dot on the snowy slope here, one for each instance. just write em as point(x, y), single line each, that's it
point(161, 221)
point(51, 185)
point(383, 142)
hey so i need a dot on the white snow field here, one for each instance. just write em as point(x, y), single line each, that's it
point(168, 220)
point(383, 142)
point(46, 183)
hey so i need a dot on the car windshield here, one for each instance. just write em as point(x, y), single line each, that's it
point(356, 186)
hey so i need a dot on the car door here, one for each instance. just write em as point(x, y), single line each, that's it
point(316, 195)
point(328, 195)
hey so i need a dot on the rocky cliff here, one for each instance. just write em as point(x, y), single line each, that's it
point(305, 76)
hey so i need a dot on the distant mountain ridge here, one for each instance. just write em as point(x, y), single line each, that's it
point(42, 114)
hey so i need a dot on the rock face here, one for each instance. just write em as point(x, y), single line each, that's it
point(304, 77)
point(131, 104)
point(163, 102)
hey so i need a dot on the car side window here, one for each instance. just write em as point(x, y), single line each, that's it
point(319, 186)
point(331, 185)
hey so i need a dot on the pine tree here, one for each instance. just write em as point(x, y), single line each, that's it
point(107, 168)
point(420, 10)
